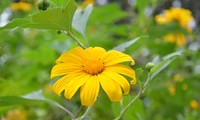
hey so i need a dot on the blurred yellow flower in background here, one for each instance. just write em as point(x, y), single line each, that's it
point(89, 68)
point(177, 38)
point(173, 82)
point(23, 6)
point(194, 104)
point(87, 2)
point(172, 89)
point(16, 114)
point(180, 15)
point(184, 87)
point(177, 78)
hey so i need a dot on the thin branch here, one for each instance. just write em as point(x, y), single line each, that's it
point(85, 114)
point(70, 34)
point(63, 108)
point(142, 90)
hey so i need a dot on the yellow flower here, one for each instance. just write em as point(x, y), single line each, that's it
point(172, 89)
point(182, 16)
point(177, 38)
point(184, 87)
point(194, 104)
point(89, 68)
point(177, 78)
point(16, 114)
point(87, 2)
point(23, 6)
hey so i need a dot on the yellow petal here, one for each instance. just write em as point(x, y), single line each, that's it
point(89, 91)
point(75, 83)
point(111, 87)
point(114, 57)
point(64, 68)
point(133, 82)
point(76, 55)
point(96, 52)
point(122, 69)
point(119, 79)
point(60, 84)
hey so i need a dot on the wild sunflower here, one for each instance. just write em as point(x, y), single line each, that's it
point(23, 6)
point(182, 16)
point(89, 68)
point(185, 20)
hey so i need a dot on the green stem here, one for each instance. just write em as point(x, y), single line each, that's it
point(142, 90)
point(75, 39)
point(85, 114)
point(63, 108)
point(147, 83)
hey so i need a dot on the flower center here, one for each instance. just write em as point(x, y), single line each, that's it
point(93, 66)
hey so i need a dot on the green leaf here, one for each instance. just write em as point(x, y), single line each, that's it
point(60, 3)
point(80, 19)
point(57, 18)
point(36, 95)
point(178, 53)
point(107, 14)
point(162, 65)
point(125, 45)
point(16, 23)
point(14, 100)
point(141, 5)
point(136, 111)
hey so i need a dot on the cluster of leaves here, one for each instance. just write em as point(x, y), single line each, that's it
point(27, 55)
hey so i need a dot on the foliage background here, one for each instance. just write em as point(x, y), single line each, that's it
point(27, 56)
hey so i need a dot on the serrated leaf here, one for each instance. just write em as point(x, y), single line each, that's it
point(57, 18)
point(125, 45)
point(80, 19)
point(16, 23)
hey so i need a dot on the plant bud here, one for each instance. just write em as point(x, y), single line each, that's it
point(43, 4)
point(149, 66)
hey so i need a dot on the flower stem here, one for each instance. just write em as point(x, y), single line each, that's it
point(75, 39)
point(85, 114)
point(63, 108)
point(142, 90)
